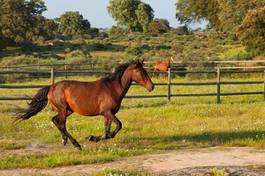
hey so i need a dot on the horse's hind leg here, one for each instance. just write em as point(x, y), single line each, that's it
point(55, 120)
point(60, 122)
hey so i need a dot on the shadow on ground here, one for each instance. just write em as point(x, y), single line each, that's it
point(209, 138)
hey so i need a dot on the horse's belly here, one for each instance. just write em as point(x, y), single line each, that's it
point(85, 109)
point(91, 103)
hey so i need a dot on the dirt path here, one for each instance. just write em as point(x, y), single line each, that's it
point(237, 161)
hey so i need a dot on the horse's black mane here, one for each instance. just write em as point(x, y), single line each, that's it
point(119, 70)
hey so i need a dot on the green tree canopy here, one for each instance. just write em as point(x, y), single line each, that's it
point(145, 15)
point(45, 28)
point(133, 14)
point(73, 24)
point(252, 30)
point(224, 15)
point(232, 13)
point(18, 18)
point(196, 10)
point(241, 16)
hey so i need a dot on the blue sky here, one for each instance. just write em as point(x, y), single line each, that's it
point(96, 11)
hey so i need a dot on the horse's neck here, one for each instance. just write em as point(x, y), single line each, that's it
point(169, 62)
point(125, 82)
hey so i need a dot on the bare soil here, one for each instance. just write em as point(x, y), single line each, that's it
point(237, 161)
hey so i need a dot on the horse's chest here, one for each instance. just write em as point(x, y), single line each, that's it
point(111, 103)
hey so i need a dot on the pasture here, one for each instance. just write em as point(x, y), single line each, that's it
point(206, 111)
point(149, 125)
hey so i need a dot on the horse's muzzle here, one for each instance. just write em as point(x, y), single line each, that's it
point(150, 87)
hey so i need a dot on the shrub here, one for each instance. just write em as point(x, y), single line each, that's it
point(162, 47)
point(79, 53)
point(94, 31)
point(135, 51)
point(159, 26)
point(182, 30)
point(117, 31)
point(28, 46)
point(98, 46)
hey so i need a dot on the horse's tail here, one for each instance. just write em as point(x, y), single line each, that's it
point(37, 104)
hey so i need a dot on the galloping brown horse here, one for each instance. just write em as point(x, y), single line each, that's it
point(101, 97)
point(164, 65)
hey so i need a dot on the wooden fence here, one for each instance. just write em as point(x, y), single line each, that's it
point(92, 65)
point(218, 83)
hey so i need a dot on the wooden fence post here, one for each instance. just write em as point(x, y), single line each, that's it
point(65, 69)
point(264, 85)
point(38, 65)
point(52, 76)
point(218, 84)
point(38, 68)
point(169, 84)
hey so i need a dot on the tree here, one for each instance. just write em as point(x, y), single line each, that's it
point(225, 15)
point(72, 24)
point(196, 10)
point(18, 18)
point(133, 14)
point(45, 28)
point(234, 12)
point(243, 17)
point(145, 15)
point(159, 26)
point(35, 7)
point(252, 31)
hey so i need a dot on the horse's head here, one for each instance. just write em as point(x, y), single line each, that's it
point(140, 76)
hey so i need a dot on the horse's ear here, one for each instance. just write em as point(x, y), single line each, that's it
point(140, 62)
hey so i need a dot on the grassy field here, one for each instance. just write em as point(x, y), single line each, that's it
point(149, 126)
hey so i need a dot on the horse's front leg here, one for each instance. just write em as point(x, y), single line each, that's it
point(117, 122)
point(118, 126)
point(106, 135)
point(108, 118)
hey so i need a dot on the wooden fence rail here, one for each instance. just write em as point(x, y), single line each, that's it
point(218, 94)
point(91, 63)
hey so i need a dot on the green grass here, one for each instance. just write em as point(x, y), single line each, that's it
point(149, 126)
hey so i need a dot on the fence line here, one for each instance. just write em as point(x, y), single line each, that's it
point(93, 63)
point(53, 74)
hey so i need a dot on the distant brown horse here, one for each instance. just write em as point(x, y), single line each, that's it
point(164, 65)
point(101, 97)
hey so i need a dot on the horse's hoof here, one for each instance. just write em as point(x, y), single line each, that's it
point(64, 142)
point(78, 148)
point(93, 138)
point(112, 135)
point(89, 137)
